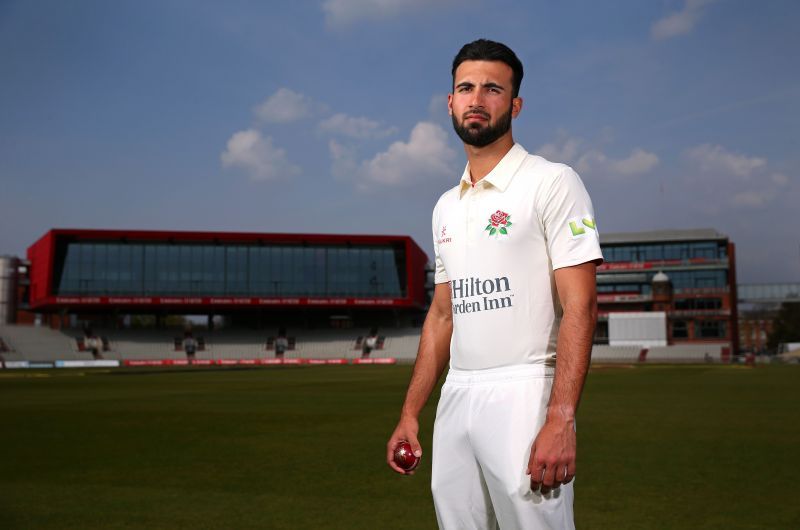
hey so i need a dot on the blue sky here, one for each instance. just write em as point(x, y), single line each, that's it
point(329, 116)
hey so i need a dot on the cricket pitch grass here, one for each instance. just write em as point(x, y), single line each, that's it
point(662, 447)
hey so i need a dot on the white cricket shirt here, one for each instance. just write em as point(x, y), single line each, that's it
point(498, 243)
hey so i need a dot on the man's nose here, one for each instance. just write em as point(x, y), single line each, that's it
point(477, 99)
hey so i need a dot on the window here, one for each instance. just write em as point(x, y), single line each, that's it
point(704, 250)
point(698, 303)
point(672, 251)
point(652, 252)
point(680, 330)
point(166, 269)
point(697, 279)
point(709, 329)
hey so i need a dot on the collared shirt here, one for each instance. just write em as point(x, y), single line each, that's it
point(497, 243)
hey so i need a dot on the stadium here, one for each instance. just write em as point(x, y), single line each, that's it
point(104, 297)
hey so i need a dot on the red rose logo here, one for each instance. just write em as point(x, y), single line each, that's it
point(499, 218)
point(499, 223)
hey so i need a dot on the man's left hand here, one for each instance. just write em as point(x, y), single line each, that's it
point(552, 461)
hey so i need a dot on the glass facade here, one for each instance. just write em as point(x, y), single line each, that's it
point(712, 250)
point(640, 288)
point(769, 291)
point(696, 279)
point(683, 279)
point(158, 269)
point(692, 277)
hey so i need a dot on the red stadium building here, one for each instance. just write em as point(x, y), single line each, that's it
point(254, 278)
point(690, 275)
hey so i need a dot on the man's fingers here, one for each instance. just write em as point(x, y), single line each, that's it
point(549, 478)
point(569, 473)
point(390, 450)
point(536, 477)
point(415, 446)
point(553, 484)
point(393, 441)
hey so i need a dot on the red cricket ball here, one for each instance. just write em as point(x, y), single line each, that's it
point(404, 456)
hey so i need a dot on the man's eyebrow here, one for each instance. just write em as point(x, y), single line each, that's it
point(470, 84)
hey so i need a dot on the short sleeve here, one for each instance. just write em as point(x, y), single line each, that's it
point(440, 274)
point(569, 224)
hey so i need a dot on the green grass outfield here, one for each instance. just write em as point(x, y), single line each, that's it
point(303, 447)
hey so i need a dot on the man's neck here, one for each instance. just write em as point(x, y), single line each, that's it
point(482, 160)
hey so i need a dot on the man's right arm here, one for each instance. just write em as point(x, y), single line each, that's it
point(432, 357)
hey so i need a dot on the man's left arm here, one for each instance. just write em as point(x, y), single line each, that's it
point(552, 459)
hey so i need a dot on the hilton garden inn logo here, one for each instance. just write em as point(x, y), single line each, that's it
point(473, 295)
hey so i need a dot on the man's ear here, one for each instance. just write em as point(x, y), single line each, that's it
point(516, 107)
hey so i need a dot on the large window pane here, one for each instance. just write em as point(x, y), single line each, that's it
point(157, 269)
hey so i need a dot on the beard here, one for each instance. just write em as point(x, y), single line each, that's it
point(478, 135)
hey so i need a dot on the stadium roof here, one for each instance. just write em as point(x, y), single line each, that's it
point(223, 280)
point(662, 236)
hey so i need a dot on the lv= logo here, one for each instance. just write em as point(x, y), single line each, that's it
point(578, 229)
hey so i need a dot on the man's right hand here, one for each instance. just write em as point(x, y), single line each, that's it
point(406, 429)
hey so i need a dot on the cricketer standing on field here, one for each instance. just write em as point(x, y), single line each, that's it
point(513, 311)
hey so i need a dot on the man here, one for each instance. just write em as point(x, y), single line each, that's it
point(281, 345)
point(189, 346)
point(513, 311)
point(370, 342)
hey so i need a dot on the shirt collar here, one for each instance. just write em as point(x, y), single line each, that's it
point(500, 176)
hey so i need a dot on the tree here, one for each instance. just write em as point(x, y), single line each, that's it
point(786, 327)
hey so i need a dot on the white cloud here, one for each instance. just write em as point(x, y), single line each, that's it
point(569, 150)
point(734, 178)
point(284, 106)
point(251, 152)
point(425, 154)
point(753, 198)
point(680, 22)
point(564, 149)
point(344, 159)
point(359, 128)
point(716, 158)
point(780, 179)
point(637, 163)
point(339, 13)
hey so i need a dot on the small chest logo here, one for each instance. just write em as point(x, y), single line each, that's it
point(499, 224)
point(442, 238)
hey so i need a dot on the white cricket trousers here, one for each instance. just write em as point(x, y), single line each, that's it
point(486, 422)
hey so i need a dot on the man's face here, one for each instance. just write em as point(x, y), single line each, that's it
point(481, 104)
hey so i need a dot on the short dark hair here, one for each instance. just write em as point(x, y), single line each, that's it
point(488, 50)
